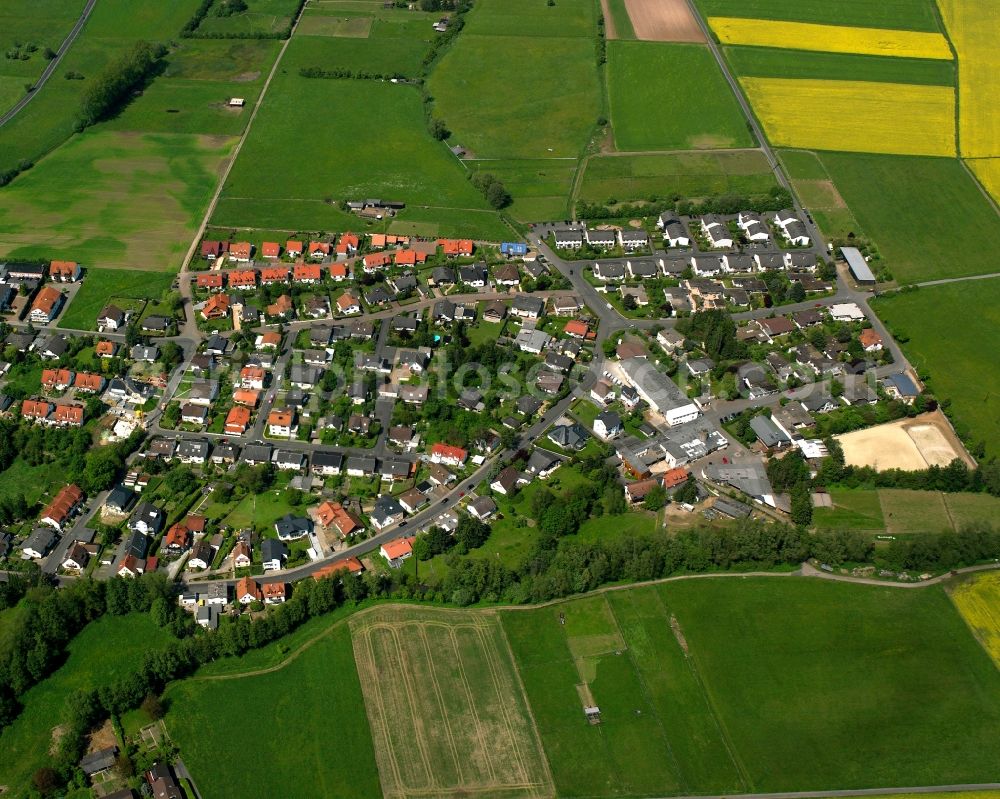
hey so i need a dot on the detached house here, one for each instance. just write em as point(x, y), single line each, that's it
point(48, 302)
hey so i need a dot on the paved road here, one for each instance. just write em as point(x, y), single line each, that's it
point(51, 66)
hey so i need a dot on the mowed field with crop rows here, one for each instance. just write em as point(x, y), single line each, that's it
point(697, 111)
point(447, 711)
point(690, 703)
point(947, 333)
point(707, 174)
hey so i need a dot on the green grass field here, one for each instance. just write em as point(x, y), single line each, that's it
point(919, 15)
point(621, 20)
point(311, 708)
point(106, 650)
point(636, 177)
point(41, 24)
point(384, 50)
point(113, 199)
point(261, 17)
point(853, 509)
point(766, 62)
point(893, 197)
point(907, 511)
point(800, 720)
point(542, 104)
point(952, 354)
point(671, 97)
point(400, 162)
point(521, 18)
point(540, 187)
point(180, 105)
point(100, 285)
point(113, 27)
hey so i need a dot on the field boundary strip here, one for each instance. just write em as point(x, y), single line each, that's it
point(830, 38)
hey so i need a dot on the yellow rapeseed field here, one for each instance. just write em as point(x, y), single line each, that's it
point(988, 172)
point(972, 25)
point(830, 38)
point(855, 116)
point(979, 603)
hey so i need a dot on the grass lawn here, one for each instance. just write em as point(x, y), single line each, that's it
point(311, 704)
point(112, 28)
point(698, 111)
point(102, 285)
point(637, 177)
point(35, 482)
point(113, 199)
point(402, 162)
point(853, 509)
point(917, 15)
point(952, 354)
point(106, 650)
point(600, 528)
point(767, 62)
point(484, 332)
point(856, 660)
point(542, 104)
point(891, 196)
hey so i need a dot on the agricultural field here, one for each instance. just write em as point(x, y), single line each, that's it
point(113, 27)
point(529, 18)
point(901, 512)
point(908, 511)
point(447, 711)
point(28, 29)
point(689, 702)
point(402, 162)
point(892, 197)
point(950, 354)
point(971, 24)
point(101, 285)
point(636, 177)
point(818, 730)
point(830, 38)
point(394, 41)
point(104, 651)
point(113, 199)
point(542, 104)
point(978, 600)
point(767, 62)
point(617, 22)
point(699, 111)
point(918, 15)
point(887, 117)
point(540, 187)
point(317, 742)
point(988, 172)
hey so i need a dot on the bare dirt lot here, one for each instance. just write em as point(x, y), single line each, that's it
point(908, 444)
point(446, 708)
point(664, 21)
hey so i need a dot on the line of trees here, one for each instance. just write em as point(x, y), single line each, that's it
point(340, 73)
point(492, 189)
point(116, 82)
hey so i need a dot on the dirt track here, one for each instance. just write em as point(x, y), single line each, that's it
point(664, 21)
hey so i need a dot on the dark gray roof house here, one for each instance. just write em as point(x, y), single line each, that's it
point(290, 527)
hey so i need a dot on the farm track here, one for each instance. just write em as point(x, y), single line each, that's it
point(805, 570)
point(52, 65)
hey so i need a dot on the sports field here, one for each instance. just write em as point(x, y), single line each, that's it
point(892, 197)
point(945, 331)
point(636, 177)
point(978, 600)
point(971, 25)
point(105, 651)
point(830, 38)
point(693, 110)
point(310, 737)
point(918, 15)
point(693, 682)
point(113, 199)
point(446, 708)
point(768, 62)
point(885, 118)
point(907, 444)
